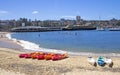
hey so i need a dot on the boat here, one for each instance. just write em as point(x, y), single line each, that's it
point(22, 55)
point(101, 61)
point(100, 29)
point(42, 56)
point(57, 57)
point(78, 27)
point(92, 61)
point(114, 29)
point(108, 60)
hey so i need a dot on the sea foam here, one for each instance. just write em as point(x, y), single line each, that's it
point(33, 46)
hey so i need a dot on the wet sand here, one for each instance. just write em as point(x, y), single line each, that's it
point(10, 63)
point(7, 43)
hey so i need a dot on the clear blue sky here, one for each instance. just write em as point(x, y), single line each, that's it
point(56, 9)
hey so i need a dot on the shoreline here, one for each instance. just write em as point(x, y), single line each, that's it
point(11, 63)
point(5, 42)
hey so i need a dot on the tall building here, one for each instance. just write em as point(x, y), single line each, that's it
point(62, 21)
point(78, 20)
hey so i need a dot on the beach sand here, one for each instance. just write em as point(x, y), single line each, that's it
point(11, 64)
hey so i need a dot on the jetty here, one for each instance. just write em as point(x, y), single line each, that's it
point(35, 29)
point(45, 29)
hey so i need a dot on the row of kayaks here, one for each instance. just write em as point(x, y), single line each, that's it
point(42, 56)
point(101, 61)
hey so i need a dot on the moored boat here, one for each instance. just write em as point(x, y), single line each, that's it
point(78, 27)
point(100, 29)
point(114, 29)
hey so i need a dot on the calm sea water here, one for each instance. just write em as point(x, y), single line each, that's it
point(75, 41)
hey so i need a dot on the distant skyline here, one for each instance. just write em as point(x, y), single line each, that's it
point(57, 9)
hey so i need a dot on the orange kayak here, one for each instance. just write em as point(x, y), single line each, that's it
point(47, 56)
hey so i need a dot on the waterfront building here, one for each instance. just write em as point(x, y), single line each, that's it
point(62, 21)
point(78, 20)
point(4, 22)
point(113, 22)
point(34, 23)
point(40, 23)
point(23, 24)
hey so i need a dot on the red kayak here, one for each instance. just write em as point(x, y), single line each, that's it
point(57, 57)
point(22, 55)
point(27, 56)
point(41, 57)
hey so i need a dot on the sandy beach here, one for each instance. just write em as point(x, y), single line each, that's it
point(11, 64)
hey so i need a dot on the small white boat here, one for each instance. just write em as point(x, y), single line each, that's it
point(109, 61)
point(100, 29)
point(114, 29)
point(92, 61)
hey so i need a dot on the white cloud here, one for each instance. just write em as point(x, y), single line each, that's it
point(35, 12)
point(3, 12)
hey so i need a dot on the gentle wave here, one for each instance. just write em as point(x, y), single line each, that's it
point(95, 54)
point(34, 47)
